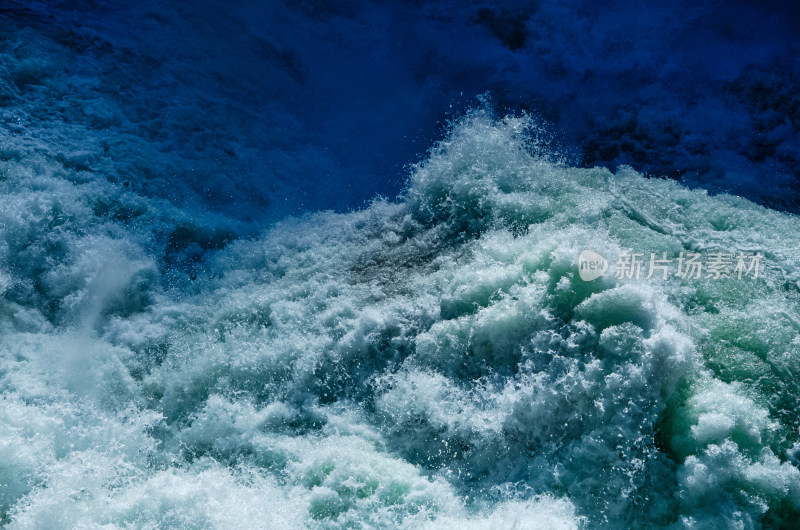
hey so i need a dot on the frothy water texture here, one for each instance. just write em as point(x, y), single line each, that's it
point(427, 362)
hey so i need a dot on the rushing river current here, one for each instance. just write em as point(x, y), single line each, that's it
point(512, 341)
point(433, 360)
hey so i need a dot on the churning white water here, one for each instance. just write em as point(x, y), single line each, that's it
point(433, 361)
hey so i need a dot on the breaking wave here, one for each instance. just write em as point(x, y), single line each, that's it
point(430, 361)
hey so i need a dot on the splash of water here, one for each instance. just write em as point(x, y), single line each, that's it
point(434, 361)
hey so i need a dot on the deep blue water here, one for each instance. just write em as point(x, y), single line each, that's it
point(280, 264)
point(306, 105)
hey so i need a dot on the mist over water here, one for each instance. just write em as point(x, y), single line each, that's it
point(204, 325)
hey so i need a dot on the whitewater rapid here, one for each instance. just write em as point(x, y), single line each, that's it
point(431, 361)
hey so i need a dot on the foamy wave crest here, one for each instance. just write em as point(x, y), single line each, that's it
point(434, 361)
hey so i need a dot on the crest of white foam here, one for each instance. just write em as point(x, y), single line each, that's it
point(437, 360)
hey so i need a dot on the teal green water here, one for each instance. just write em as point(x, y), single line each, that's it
point(434, 361)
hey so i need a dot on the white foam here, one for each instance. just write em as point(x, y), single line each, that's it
point(432, 361)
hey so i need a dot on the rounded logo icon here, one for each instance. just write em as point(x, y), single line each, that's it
point(591, 265)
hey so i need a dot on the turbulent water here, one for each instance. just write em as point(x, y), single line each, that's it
point(430, 361)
